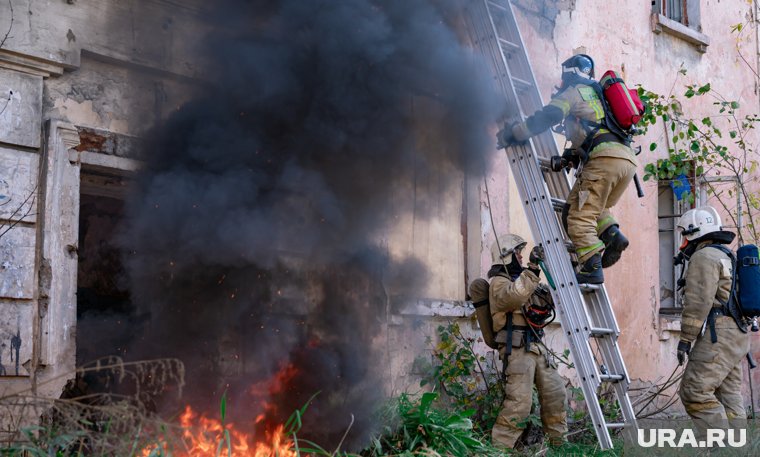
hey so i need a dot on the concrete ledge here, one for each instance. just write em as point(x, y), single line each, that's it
point(108, 143)
point(661, 24)
point(438, 308)
point(669, 324)
point(103, 162)
point(426, 307)
point(29, 64)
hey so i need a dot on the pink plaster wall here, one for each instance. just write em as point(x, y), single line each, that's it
point(619, 36)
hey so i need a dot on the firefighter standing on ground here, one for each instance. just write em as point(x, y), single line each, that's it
point(711, 338)
point(512, 287)
point(598, 187)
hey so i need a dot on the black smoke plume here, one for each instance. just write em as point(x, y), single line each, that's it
point(256, 230)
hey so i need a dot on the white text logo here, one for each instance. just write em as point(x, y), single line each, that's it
point(715, 437)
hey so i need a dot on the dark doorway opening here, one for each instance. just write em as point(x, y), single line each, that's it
point(106, 317)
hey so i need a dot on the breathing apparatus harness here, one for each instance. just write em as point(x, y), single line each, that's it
point(730, 306)
point(577, 158)
point(615, 133)
point(539, 313)
point(579, 70)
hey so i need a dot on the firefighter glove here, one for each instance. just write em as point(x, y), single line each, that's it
point(542, 291)
point(506, 137)
point(572, 160)
point(537, 255)
point(683, 350)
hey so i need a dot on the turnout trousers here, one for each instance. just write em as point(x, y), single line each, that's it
point(597, 189)
point(712, 381)
point(525, 369)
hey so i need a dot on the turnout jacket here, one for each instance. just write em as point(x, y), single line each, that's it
point(508, 296)
point(708, 284)
point(577, 104)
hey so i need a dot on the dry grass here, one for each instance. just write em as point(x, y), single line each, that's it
point(117, 419)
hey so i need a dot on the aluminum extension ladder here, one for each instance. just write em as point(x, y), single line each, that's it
point(585, 311)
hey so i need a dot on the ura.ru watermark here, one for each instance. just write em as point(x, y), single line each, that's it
point(714, 437)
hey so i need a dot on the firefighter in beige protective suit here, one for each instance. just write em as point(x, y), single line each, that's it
point(608, 166)
point(526, 361)
point(712, 337)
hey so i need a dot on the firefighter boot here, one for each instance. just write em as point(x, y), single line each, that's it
point(591, 271)
point(614, 245)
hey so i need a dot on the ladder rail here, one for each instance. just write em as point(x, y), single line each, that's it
point(573, 319)
point(509, 91)
point(545, 142)
point(584, 315)
point(539, 222)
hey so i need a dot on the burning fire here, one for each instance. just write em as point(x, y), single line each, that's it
point(202, 436)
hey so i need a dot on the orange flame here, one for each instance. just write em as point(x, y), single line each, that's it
point(201, 437)
point(276, 384)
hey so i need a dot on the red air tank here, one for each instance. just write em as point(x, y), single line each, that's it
point(625, 103)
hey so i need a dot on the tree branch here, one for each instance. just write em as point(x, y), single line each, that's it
point(10, 26)
point(11, 223)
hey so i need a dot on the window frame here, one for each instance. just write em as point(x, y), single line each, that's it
point(667, 7)
point(673, 213)
point(688, 27)
point(708, 182)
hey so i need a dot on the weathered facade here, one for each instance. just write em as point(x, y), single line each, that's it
point(81, 81)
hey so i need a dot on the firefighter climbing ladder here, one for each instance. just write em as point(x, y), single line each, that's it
point(585, 311)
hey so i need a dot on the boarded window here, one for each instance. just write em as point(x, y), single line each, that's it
point(666, 218)
point(669, 210)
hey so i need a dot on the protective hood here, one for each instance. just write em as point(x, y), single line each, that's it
point(717, 237)
point(513, 269)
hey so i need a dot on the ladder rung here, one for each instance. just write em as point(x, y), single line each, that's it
point(558, 204)
point(616, 425)
point(521, 84)
point(611, 377)
point(589, 287)
point(509, 46)
point(598, 331)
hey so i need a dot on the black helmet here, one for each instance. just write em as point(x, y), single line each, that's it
point(580, 64)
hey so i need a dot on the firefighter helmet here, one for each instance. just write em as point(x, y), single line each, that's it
point(504, 247)
point(698, 222)
point(580, 64)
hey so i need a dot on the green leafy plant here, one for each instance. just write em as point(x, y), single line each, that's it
point(430, 430)
point(225, 439)
point(717, 145)
point(468, 379)
point(581, 428)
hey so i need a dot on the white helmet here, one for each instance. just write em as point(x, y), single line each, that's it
point(504, 247)
point(698, 222)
